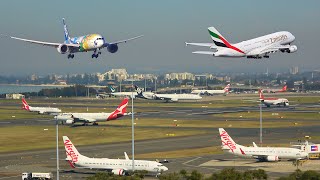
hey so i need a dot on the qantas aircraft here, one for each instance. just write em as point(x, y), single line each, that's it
point(273, 101)
point(254, 48)
point(117, 166)
point(284, 89)
point(85, 118)
point(259, 153)
point(71, 45)
point(212, 92)
point(166, 97)
point(40, 110)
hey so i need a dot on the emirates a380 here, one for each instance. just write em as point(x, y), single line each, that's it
point(72, 45)
point(257, 48)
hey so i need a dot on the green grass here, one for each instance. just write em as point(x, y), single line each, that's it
point(271, 115)
point(23, 138)
point(304, 100)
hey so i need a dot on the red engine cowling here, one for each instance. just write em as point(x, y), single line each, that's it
point(62, 49)
point(120, 172)
point(272, 158)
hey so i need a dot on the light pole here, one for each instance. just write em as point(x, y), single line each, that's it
point(132, 127)
point(260, 123)
point(57, 141)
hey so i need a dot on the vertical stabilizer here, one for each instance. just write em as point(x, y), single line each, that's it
point(25, 105)
point(226, 89)
point(72, 153)
point(227, 141)
point(261, 97)
point(120, 111)
point(66, 32)
point(112, 89)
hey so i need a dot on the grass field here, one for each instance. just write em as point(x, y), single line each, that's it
point(23, 138)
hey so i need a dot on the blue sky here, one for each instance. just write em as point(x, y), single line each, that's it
point(166, 25)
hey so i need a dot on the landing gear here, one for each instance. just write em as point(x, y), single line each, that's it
point(94, 55)
point(95, 124)
point(70, 56)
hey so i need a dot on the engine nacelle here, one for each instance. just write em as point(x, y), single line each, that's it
point(62, 49)
point(120, 172)
point(272, 158)
point(112, 48)
point(69, 121)
point(293, 49)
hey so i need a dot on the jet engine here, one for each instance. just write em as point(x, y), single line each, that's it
point(62, 49)
point(292, 49)
point(112, 48)
point(120, 172)
point(69, 121)
point(272, 158)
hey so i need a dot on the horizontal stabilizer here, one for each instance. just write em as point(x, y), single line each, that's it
point(201, 44)
point(204, 52)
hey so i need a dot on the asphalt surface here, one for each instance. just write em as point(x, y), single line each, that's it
point(13, 164)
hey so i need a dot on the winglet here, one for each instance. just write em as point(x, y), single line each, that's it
point(254, 144)
point(126, 156)
point(66, 32)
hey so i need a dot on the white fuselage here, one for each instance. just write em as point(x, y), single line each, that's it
point(207, 91)
point(177, 97)
point(254, 47)
point(112, 164)
point(281, 152)
point(88, 117)
point(44, 110)
point(276, 101)
point(124, 94)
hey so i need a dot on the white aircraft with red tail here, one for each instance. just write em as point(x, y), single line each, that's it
point(225, 90)
point(117, 166)
point(40, 110)
point(283, 89)
point(256, 48)
point(259, 153)
point(85, 118)
point(273, 100)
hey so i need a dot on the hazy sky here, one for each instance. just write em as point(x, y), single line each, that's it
point(166, 24)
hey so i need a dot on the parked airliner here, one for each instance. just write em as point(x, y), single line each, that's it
point(259, 153)
point(283, 89)
point(85, 118)
point(122, 94)
point(40, 110)
point(211, 91)
point(254, 48)
point(273, 100)
point(72, 45)
point(166, 97)
point(117, 166)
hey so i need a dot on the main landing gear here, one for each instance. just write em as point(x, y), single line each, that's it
point(95, 54)
point(70, 56)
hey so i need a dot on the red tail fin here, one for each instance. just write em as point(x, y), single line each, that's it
point(284, 88)
point(120, 111)
point(226, 89)
point(25, 105)
point(261, 94)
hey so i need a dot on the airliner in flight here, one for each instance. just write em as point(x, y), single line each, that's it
point(85, 118)
point(72, 45)
point(40, 110)
point(273, 101)
point(256, 48)
point(211, 91)
point(166, 97)
point(117, 166)
point(259, 153)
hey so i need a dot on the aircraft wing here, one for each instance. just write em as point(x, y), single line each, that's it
point(204, 52)
point(271, 49)
point(43, 42)
point(83, 119)
point(211, 45)
point(124, 41)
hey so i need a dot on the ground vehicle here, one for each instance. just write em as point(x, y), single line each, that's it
point(31, 175)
